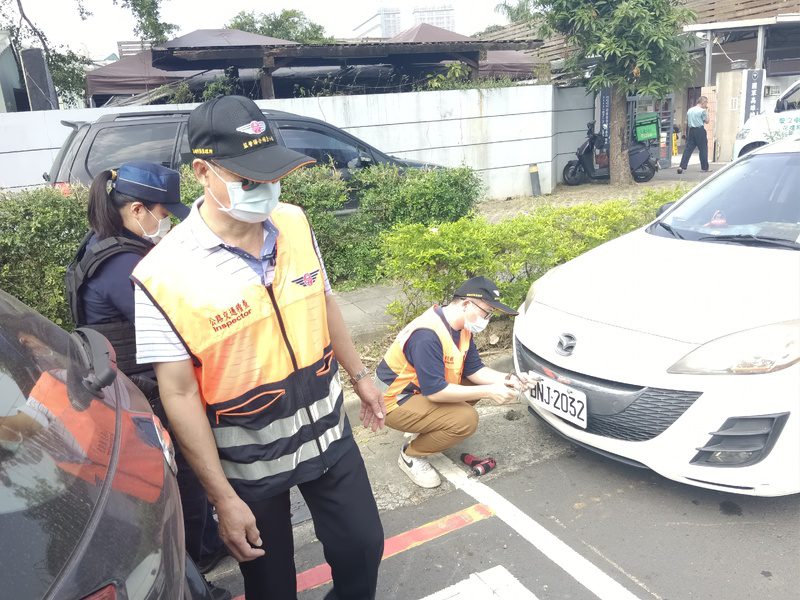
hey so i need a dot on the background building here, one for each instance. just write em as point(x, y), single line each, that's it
point(439, 16)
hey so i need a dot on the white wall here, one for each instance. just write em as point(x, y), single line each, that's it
point(499, 132)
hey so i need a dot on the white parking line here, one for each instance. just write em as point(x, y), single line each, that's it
point(575, 565)
point(493, 584)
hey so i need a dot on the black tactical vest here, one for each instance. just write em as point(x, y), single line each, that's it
point(121, 334)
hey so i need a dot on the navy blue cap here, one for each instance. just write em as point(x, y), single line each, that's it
point(486, 290)
point(151, 182)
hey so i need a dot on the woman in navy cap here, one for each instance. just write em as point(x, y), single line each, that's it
point(129, 212)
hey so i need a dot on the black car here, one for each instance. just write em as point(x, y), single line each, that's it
point(89, 505)
point(161, 137)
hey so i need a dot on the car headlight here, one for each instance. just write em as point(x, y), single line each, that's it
point(753, 351)
point(743, 133)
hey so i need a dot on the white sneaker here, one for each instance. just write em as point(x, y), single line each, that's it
point(419, 470)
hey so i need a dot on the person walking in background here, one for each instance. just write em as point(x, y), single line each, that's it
point(696, 136)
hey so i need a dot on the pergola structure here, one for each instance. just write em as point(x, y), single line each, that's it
point(270, 58)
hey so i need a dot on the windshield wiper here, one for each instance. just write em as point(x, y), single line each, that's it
point(671, 230)
point(750, 239)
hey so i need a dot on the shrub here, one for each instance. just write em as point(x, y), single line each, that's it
point(40, 230)
point(430, 262)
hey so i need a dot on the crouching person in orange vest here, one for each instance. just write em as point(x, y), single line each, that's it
point(235, 311)
point(432, 376)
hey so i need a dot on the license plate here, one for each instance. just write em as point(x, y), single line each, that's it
point(560, 399)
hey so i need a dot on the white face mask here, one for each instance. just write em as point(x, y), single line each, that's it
point(478, 325)
point(162, 229)
point(249, 206)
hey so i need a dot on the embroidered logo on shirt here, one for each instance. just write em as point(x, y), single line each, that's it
point(228, 317)
point(308, 279)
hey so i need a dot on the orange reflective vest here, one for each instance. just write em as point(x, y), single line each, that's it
point(140, 469)
point(263, 357)
point(397, 377)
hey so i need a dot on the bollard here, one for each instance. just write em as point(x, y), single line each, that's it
point(536, 189)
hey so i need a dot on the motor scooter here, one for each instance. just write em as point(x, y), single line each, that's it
point(592, 163)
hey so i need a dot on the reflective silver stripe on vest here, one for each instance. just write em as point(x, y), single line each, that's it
point(232, 437)
point(267, 468)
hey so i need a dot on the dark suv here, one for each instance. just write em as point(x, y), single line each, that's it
point(161, 137)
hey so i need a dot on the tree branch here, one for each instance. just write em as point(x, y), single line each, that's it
point(38, 33)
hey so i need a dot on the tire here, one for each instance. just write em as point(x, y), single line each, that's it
point(573, 173)
point(750, 147)
point(644, 173)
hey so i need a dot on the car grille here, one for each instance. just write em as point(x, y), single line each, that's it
point(617, 410)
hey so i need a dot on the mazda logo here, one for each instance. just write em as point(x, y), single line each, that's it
point(566, 344)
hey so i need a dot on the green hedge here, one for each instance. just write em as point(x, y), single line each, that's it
point(429, 262)
point(40, 229)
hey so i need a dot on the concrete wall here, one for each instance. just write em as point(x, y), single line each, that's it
point(573, 109)
point(498, 132)
point(729, 108)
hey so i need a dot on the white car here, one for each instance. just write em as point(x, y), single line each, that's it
point(775, 123)
point(677, 347)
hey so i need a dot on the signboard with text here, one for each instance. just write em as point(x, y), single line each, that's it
point(753, 92)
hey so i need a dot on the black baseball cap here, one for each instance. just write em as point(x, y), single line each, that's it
point(486, 290)
point(233, 132)
point(151, 182)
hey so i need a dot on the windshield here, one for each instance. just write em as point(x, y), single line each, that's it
point(56, 439)
point(754, 201)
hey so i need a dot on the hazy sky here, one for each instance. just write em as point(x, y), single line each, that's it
point(98, 35)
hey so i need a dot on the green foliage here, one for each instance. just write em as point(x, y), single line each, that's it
point(424, 196)
point(182, 94)
point(521, 10)
point(68, 70)
point(222, 85)
point(489, 30)
point(40, 230)
point(149, 25)
point(429, 262)
point(289, 24)
point(638, 45)
point(458, 77)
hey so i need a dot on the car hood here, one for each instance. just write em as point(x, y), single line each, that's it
point(684, 290)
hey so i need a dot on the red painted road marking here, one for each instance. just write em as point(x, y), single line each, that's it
point(321, 574)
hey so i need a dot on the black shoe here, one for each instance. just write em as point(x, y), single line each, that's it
point(209, 561)
point(217, 593)
point(680, 171)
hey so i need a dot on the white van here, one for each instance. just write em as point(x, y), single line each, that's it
point(779, 122)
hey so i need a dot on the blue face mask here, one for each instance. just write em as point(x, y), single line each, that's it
point(252, 205)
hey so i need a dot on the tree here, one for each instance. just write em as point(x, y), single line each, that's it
point(488, 30)
point(632, 47)
point(290, 24)
point(521, 10)
point(68, 68)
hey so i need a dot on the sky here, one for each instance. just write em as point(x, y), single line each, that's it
point(98, 35)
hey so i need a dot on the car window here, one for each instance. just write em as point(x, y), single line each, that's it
point(185, 155)
point(756, 196)
point(318, 143)
point(792, 100)
point(113, 146)
point(56, 440)
point(66, 155)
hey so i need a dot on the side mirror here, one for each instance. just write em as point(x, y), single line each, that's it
point(664, 208)
point(101, 359)
point(46, 176)
point(780, 105)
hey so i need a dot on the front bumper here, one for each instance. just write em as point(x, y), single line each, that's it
point(732, 433)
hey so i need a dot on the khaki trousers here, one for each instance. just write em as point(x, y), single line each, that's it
point(440, 425)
